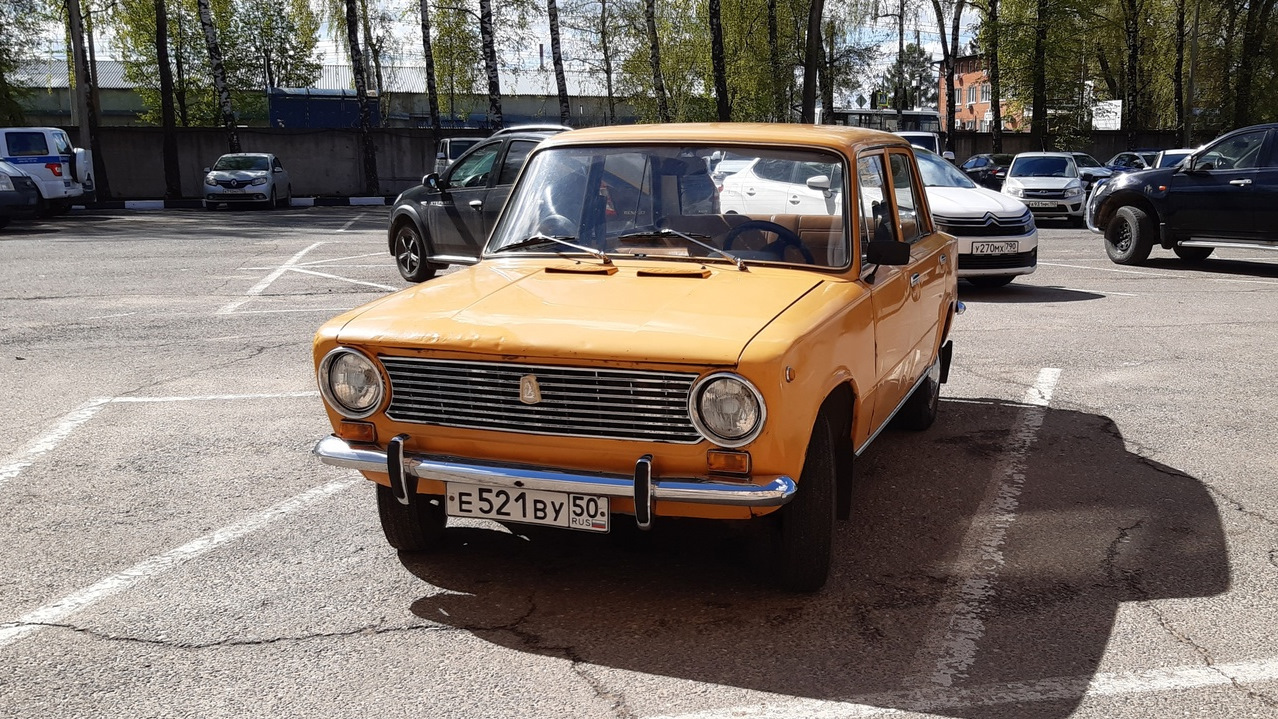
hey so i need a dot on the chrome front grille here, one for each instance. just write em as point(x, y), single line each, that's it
point(574, 401)
point(988, 226)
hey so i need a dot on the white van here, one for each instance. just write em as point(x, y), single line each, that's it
point(61, 172)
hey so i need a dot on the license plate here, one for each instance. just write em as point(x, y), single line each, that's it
point(1041, 203)
point(556, 509)
point(993, 248)
point(233, 190)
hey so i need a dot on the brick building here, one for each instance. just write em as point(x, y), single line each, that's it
point(971, 97)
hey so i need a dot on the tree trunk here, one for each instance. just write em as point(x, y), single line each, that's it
point(996, 85)
point(374, 53)
point(899, 94)
point(371, 184)
point(557, 61)
point(1178, 74)
point(607, 61)
point(172, 174)
point(487, 34)
point(179, 89)
point(1254, 36)
point(722, 109)
point(432, 92)
point(811, 62)
point(827, 76)
point(1132, 19)
point(101, 185)
point(219, 75)
point(654, 58)
point(779, 113)
point(949, 53)
point(1038, 119)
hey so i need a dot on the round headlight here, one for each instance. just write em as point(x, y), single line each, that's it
point(350, 382)
point(727, 409)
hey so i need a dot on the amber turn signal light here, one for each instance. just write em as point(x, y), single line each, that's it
point(722, 461)
point(357, 431)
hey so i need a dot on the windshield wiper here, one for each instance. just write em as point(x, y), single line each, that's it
point(541, 239)
point(666, 232)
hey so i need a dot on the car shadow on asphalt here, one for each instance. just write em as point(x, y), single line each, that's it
point(1094, 526)
point(1217, 266)
point(1016, 293)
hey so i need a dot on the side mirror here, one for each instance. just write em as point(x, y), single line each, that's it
point(279, 169)
point(440, 156)
point(948, 155)
point(433, 182)
point(887, 252)
point(1087, 176)
point(207, 170)
point(820, 182)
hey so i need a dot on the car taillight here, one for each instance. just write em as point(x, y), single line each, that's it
point(54, 167)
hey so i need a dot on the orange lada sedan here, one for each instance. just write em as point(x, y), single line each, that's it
point(634, 345)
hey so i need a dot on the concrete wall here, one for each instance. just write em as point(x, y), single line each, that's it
point(320, 162)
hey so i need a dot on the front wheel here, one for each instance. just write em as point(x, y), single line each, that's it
point(1193, 254)
point(271, 202)
point(920, 410)
point(804, 528)
point(410, 255)
point(415, 527)
point(1129, 237)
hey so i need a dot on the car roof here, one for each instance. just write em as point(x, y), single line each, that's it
point(530, 128)
point(246, 154)
point(1069, 155)
point(834, 137)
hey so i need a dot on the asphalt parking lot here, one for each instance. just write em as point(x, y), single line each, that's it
point(1089, 530)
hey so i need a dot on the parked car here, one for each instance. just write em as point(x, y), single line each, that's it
point(997, 239)
point(19, 195)
point(446, 219)
point(727, 163)
point(1131, 160)
point(1090, 171)
point(62, 173)
point(1048, 183)
point(247, 177)
point(1225, 194)
point(987, 170)
point(1171, 158)
point(623, 352)
point(451, 148)
point(927, 140)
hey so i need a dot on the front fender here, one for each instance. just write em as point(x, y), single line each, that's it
point(407, 213)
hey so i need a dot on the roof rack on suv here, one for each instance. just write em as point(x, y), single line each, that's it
point(531, 128)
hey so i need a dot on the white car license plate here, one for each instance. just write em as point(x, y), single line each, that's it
point(993, 248)
point(234, 190)
point(556, 509)
point(1041, 203)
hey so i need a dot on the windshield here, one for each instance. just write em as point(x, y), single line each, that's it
point(457, 147)
point(242, 162)
point(1083, 160)
point(937, 172)
point(1042, 167)
point(926, 141)
point(660, 201)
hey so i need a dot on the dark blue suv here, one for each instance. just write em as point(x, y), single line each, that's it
point(1224, 195)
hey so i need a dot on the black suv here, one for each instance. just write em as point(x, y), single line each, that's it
point(446, 219)
point(1224, 195)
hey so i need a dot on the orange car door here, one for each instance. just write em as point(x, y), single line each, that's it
point(929, 268)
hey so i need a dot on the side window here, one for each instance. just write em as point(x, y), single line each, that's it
point(473, 171)
point(875, 216)
point(26, 144)
point(61, 143)
point(907, 205)
point(775, 170)
point(1237, 152)
point(515, 156)
point(1272, 160)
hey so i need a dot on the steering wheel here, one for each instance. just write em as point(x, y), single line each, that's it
point(785, 236)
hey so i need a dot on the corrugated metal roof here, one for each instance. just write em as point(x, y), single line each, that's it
point(50, 73)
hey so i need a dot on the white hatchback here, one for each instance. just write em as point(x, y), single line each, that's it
point(247, 177)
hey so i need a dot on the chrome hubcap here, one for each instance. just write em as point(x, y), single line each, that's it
point(406, 252)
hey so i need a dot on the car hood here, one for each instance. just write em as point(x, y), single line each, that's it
point(978, 202)
point(519, 309)
point(237, 174)
point(1045, 183)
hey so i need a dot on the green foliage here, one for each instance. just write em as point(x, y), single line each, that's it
point(913, 76)
point(19, 27)
point(458, 62)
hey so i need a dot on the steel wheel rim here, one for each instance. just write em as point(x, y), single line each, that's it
point(1124, 237)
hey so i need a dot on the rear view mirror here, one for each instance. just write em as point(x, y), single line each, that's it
point(819, 182)
point(887, 252)
point(440, 156)
point(207, 170)
point(433, 182)
point(948, 155)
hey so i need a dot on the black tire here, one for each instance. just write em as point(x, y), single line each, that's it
point(920, 410)
point(803, 537)
point(210, 206)
point(271, 201)
point(1193, 254)
point(417, 527)
point(1129, 237)
point(4, 221)
point(990, 282)
point(410, 254)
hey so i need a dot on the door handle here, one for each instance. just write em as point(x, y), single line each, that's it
point(476, 204)
point(914, 279)
point(1240, 183)
point(750, 191)
point(944, 260)
point(794, 199)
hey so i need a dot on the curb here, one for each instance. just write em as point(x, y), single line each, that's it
point(197, 204)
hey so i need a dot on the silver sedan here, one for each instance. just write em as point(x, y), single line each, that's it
point(247, 177)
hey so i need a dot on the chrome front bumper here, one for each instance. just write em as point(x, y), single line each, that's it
point(641, 486)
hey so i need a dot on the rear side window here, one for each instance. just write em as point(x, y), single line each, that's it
point(61, 143)
point(515, 156)
point(26, 144)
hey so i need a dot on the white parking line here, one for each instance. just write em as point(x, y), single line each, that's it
point(265, 282)
point(354, 219)
point(953, 638)
point(58, 611)
point(1106, 269)
point(927, 701)
point(49, 440)
point(388, 288)
point(1094, 292)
